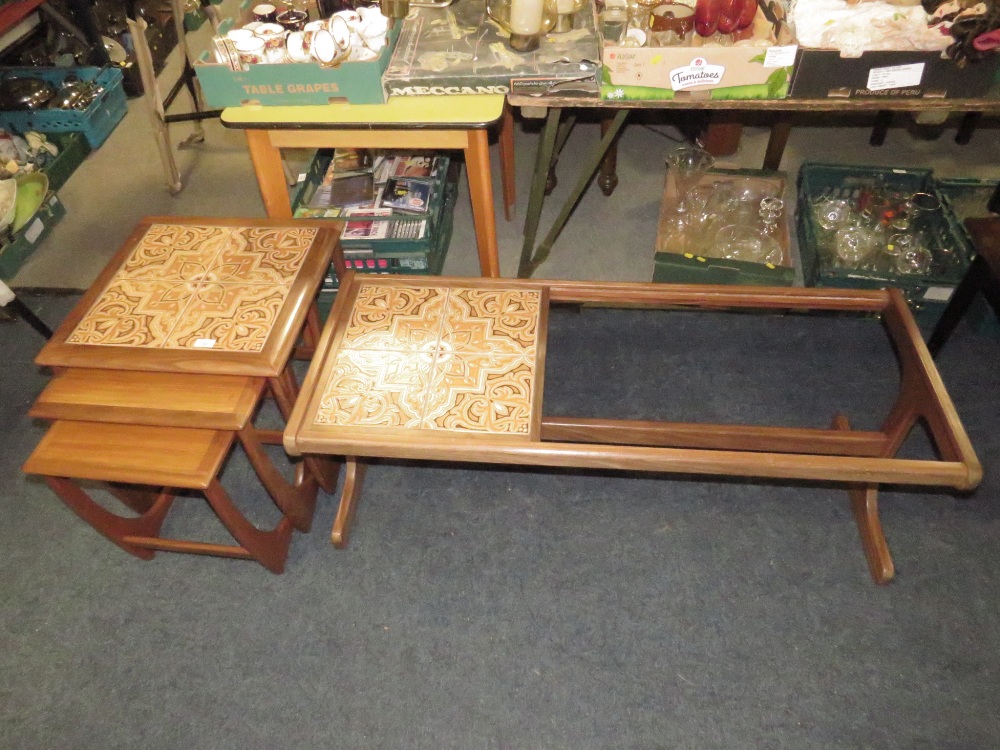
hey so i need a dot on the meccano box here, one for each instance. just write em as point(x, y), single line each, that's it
point(701, 72)
point(459, 49)
point(293, 84)
point(675, 263)
point(822, 73)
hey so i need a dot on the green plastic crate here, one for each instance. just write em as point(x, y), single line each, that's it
point(73, 149)
point(17, 248)
point(436, 259)
point(389, 247)
point(928, 294)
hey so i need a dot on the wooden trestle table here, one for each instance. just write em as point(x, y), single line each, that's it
point(450, 369)
point(602, 155)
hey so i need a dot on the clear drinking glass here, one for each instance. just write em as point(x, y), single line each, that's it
point(689, 164)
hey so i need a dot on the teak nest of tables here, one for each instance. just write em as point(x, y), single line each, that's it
point(164, 363)
point(448, 369)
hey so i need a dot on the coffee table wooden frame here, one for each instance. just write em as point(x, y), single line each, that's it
point(860, 459)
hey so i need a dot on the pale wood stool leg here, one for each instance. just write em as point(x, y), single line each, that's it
point(353, 480)
point(111, 526)
point(297, 501)
point(864, 503)
point(285, 390)
point(269, 548)
point(268, 167)
point(477, 164)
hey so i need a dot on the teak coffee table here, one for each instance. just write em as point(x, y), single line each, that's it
point(451, 369)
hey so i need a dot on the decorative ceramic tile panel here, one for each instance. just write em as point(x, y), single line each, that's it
point(391, 318)
point(376, 388)
point(134, 313)
point(233, 317)
point(436, 358)
point(502, 321)
point(185, 287)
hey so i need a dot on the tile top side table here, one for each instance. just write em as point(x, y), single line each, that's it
point(449, 122)
point(213, 296)
point(449, 369)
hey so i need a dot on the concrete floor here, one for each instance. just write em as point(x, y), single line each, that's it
point(607, 238)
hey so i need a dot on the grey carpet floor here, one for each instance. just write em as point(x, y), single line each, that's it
point(482, 607)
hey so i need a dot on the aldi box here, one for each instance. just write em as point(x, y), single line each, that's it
point(822, 73)
point(674, 262)
point(294, 84)
point(696, 72)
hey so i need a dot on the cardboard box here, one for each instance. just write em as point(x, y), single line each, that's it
point(293, 84)
point(674, 263)
point(460, 50)
point(822, 73)
point(697, 72)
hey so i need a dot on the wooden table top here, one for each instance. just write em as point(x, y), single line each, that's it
point(222, 296)
point(447, 358)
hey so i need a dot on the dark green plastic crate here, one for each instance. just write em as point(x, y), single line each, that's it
point(17, 248)
point(387, 247)
point(926, 294)
point(73, 149)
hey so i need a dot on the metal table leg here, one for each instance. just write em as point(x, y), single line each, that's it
point(530, 261)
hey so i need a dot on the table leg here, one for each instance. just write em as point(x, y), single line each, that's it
point(566, 125)
point(883, 120)
point(864, 503)
point(505, 140)
point(285, 390)
point(353, 480)
point(477, 162)
point(780, 131)
point(270, 174)
point(297, 500)
point(543, 163)
point(976, 279)
point(587, 171)
point(967, 127)
point(607, 178)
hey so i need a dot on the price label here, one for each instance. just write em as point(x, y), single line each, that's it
point(895, 77)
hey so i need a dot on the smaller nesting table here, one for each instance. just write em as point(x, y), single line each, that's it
point(449, 369)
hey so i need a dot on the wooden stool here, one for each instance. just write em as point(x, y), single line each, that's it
point(215, 402)
point(151, 458)
point(983, 276)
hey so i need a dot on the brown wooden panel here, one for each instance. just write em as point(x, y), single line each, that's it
point(218, 402)
point(157, 456)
